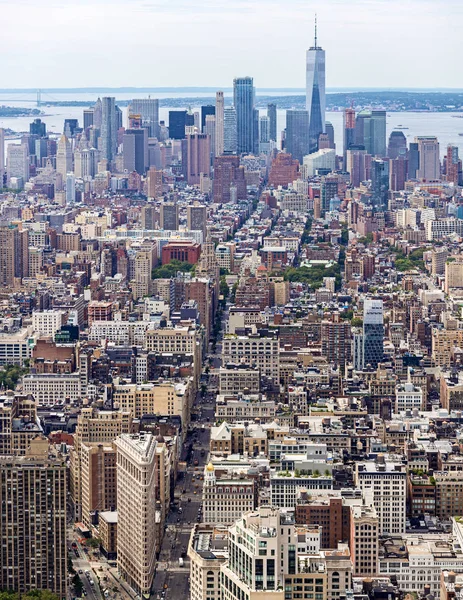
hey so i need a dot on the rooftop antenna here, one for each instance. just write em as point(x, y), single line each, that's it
point(315, 30)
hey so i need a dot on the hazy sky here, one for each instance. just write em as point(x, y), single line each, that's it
point(369, 43)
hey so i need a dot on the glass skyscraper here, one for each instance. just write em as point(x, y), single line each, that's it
point(373, 332)
point(315, 92)
point(297, 133)
point(243, 100)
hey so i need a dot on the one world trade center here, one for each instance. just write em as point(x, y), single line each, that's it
point(315, 92)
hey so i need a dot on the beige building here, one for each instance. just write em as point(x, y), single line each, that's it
point(388, 481)
point(19, 423)
point(153, 399)
point(136, 513)
point(93, 426)
point(226, 499)
point(207, 551)
point(443, 344)
point(107, 531)
point(98, 479)
point(453, 273)
point(264, 352)
point(235, 379)
point(364, 533)
point(33, 557)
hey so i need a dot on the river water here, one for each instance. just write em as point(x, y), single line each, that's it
point(445, 126)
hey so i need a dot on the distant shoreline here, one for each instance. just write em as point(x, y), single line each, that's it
point(259, 90)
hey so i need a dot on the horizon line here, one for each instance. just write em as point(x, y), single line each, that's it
point(165, 89)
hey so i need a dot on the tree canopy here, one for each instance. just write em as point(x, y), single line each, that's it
point(171, 269)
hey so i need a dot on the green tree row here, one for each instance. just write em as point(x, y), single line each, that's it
point(33, 594)
point(170, 270)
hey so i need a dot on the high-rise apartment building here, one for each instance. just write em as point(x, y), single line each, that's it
point(63, 157)
point(228, 174)
point(10, 255)
point(264, 135)
point(88, 117)
point(370, 131)
point(388, 482)
point(208, 109)
point(154, 185)
point(209, 130)
point(272, 115)
point(33, 553)
point(178, 121)
point(197, 157)
point(219, 124)
point(17, 163)
point(148, 108)
point(144, 263)
point(297, 133)
point(397, 173)
point(373, 332)
point(169, 216)
point(355, 165)
point(413, 160)
point(336, 340)
point(135, 148)
point(379, 183)
point(98, 479)
point(93, 426)
point(428, 148)
point(397, 145)
point(98, 114)
point(136, 510)
point(230, 139)
point(109, 128)
point(349, 132)
point(196, 218)
point(37, 127)
point(315, 92)
point(453, 165)
point(2, 156)
point(243, 100)
point(328, 190)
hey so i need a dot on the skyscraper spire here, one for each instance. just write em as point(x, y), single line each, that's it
point(315, 44)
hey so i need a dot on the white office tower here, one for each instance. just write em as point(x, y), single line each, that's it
point(264, 134)
point(315, 92)
point(70, 188)
point(210, 130)
point(63, 157)
point(17, 163)
point(2, 155)
point(148, 109)
point(219, 124)
point(230, 139)
point(136, 510)
point(109, 127)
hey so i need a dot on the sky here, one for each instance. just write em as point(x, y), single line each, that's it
point(179, 43)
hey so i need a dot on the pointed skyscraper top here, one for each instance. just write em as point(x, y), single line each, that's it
point(315, 44)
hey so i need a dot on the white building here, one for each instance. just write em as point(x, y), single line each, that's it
point(388, 481)
point(408, 396)
point(17, 163)
point(16, 347)
point(285, 486)
point(207, 551)
point(136, 510)
point(264, 352)
point(50, 388)
point(226, 499)
point(47, 322)
point(322, 159)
